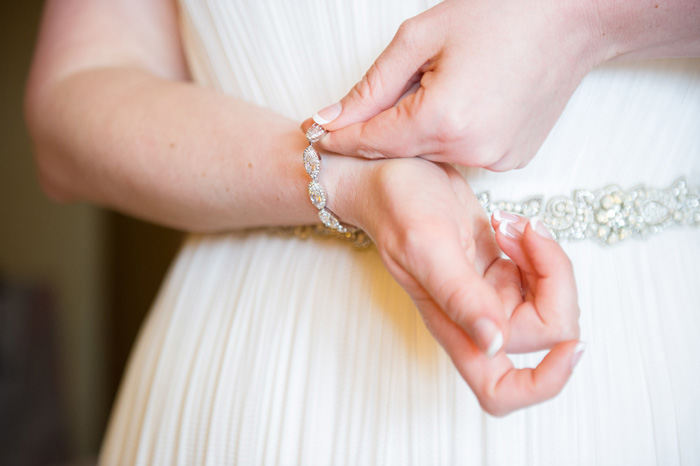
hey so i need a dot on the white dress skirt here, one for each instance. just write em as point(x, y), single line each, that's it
point(264, 349)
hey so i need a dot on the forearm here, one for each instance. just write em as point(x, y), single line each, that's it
point(169, 152)
point(647, 28)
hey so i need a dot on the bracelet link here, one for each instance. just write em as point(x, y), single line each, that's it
point(312, 164)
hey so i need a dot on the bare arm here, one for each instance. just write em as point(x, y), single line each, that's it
point(115, 122)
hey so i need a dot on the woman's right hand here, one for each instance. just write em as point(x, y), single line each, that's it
point(482, 83)
point(436, 241)
point(468, 82)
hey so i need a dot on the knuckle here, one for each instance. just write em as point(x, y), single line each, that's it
point(451, 125)
point(410, 31)
point(457, 303)
point(370, 87)
point(491, 154)
point(455, 132)
point(565, 327)
point(361, 90)
point(571, 328)
point(565, 330)
point(499, 163)
point(492, 161)
point(492, 406)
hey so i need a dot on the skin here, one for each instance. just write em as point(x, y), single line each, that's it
point(103, 70)
point(470, 83)
point(115, 121)
point(434, 238)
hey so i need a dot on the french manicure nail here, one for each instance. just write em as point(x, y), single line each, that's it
point(507, 229)
point(539, 228)
point(328, 114)
point(578, 352)
point(502, 216)
point(489, 336)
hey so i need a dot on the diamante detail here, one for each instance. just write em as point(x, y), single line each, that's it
point(611, 214)
point(312, 162)
point(312, 165)
point(331, 221)
point(315, 133)
point(317, 194)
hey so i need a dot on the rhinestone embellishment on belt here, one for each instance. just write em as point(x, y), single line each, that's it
point(611, 214)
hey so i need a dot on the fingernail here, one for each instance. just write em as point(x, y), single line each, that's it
point(578, 352)
point(489, 336)
point(502, 216)
point(507, 229)
point(539, 228)
point(328, 114)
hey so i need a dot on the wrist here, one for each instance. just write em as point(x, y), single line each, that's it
point(579, 33)
point(344, 179)
point(647, 28)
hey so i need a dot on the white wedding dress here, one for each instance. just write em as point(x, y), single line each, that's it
point(265, 349)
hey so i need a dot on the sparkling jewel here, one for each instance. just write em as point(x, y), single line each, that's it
point(312, 165)
point(611, 214)
point(315, 133)
point(330, 220)
point(317, 195)
point(312, 162)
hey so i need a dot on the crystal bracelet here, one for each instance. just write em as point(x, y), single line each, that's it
point(312, 164)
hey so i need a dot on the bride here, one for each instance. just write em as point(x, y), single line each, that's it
point(271, 348)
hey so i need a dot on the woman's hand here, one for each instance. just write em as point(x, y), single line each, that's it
point(476, 84)
point(479, 83)
point(547, 311)
point(435, 239)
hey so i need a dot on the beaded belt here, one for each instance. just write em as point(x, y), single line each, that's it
point(608, 215)
point(611, 214)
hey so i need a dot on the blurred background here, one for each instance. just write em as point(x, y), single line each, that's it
point(75, 284)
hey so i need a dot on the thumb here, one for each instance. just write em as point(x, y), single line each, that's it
point(392, 75)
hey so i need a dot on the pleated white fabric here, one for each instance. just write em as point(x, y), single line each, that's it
point(263, 349)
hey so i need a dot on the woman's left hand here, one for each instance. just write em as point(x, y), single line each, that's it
point(435, 240)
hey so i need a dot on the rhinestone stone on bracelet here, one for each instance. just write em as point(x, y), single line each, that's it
point(312, 164)
point(611, 214)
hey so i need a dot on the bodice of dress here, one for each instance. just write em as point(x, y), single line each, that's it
point(627, 123)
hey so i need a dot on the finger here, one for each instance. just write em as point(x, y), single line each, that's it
point(412, 90)
point(537, 254)
point(407, 129)
point(442, 268)
point(509, 230)
point(555, 286)
point(549, 313)
point(499, 387)
point(518, 388)
point(505, 277)
point(394, 72)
